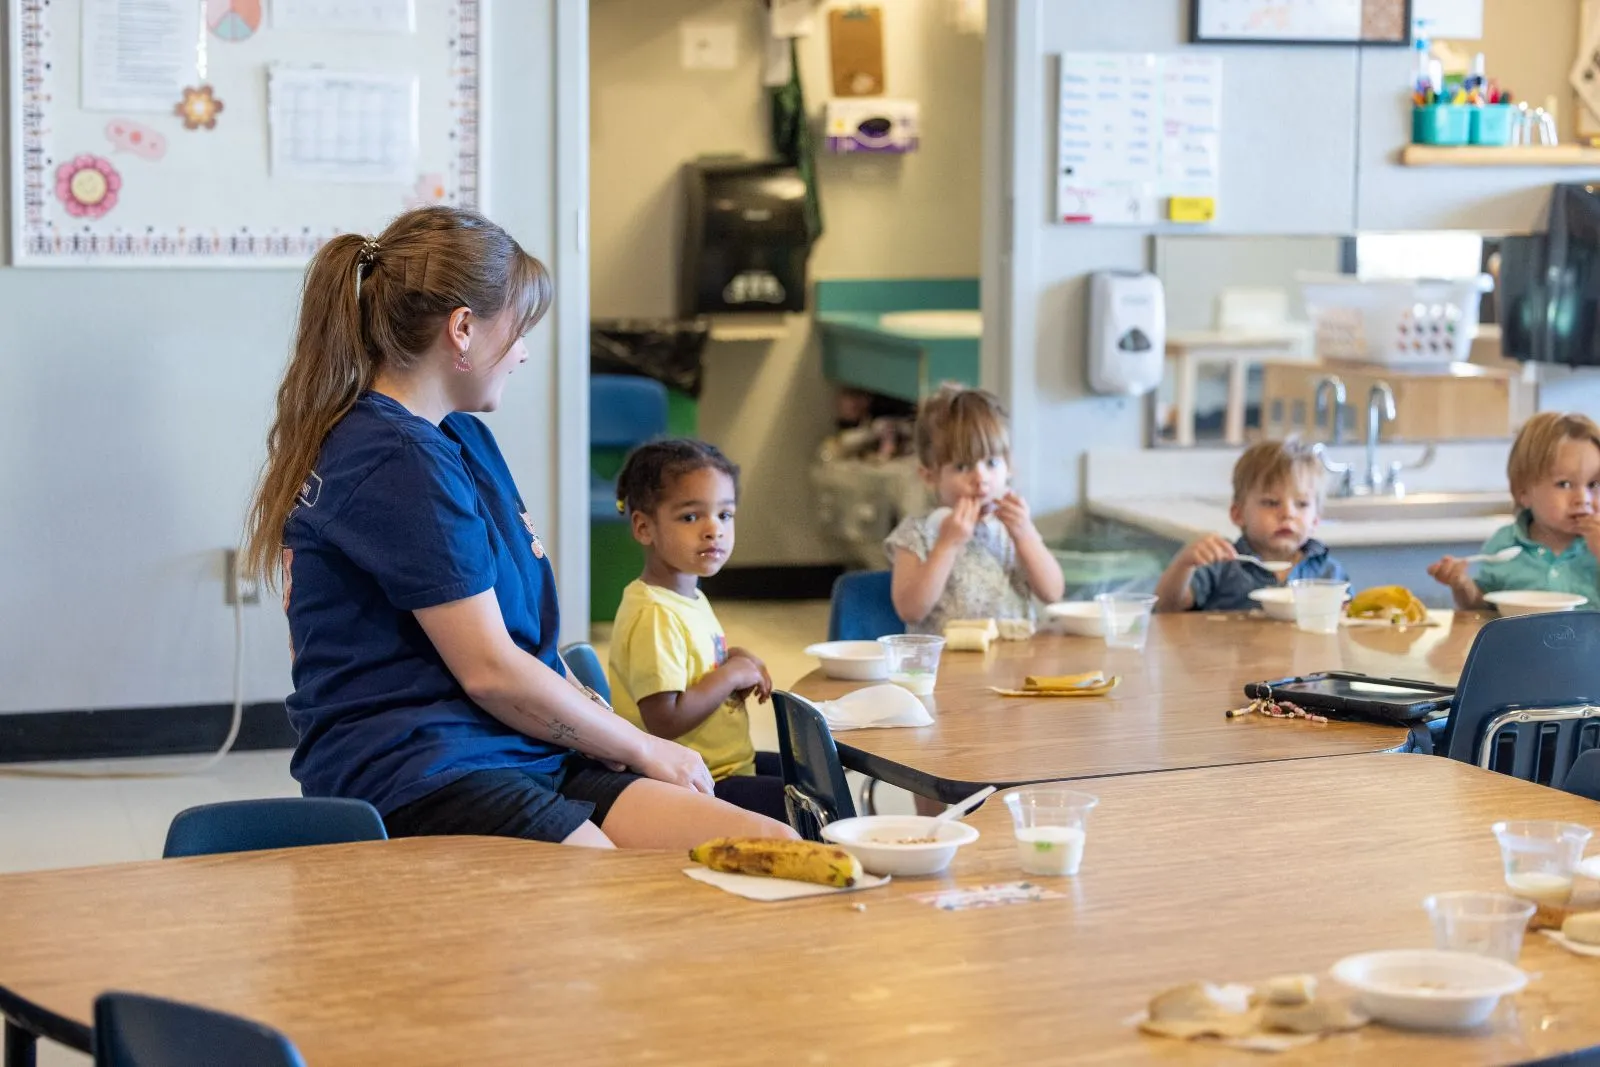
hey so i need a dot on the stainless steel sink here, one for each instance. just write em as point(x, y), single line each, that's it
point(1418, 506)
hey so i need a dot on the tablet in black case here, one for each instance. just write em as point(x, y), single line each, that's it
point(1348, 695)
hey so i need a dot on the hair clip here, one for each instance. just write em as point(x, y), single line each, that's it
point(369, 252)
point(622, 508)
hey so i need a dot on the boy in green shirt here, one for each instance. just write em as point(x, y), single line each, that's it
point(1555, 479)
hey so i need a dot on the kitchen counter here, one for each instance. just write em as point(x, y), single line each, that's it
point(1181, 494)
point(1186, 519)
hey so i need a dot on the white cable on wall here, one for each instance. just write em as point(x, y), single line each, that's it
point(204, 764)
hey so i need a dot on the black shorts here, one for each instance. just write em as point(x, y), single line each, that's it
point(510, 802)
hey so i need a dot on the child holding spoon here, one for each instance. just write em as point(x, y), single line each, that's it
point(1554, 472)
point(1277, 503)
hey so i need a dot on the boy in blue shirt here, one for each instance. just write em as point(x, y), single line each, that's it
point(1554, 472)
point(1277, 503)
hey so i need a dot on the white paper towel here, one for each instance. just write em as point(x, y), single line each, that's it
point(875, 707)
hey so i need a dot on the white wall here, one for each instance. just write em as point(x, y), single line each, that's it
point(133, 408)
point(1311, 138)
point(767, 404)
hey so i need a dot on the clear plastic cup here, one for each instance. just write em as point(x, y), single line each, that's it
point(1541, 858)
point(1318, 603)
point(1126, 618)
point(913, 661)
point(1488, 924)
point(1049, 826)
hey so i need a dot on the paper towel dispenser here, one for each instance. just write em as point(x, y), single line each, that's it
point(746, 241)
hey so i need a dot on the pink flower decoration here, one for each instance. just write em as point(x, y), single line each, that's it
point(87, 186)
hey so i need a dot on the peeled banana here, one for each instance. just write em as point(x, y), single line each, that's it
point(1395, 603)
point(798, 861)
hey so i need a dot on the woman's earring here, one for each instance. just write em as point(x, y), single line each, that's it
point(461, 362)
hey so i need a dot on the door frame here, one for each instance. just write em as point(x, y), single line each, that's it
point(571, 314)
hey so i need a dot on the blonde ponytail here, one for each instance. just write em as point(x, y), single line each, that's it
point(373, 303)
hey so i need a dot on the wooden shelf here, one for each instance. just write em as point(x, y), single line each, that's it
point(1558, 155)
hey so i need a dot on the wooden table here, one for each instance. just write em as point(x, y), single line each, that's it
point(482, 951)
point(1168, 713)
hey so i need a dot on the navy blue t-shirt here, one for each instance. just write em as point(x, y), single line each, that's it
point(1227, 586)
point(399, 515)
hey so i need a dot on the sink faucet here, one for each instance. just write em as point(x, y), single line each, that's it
point(1332, 388)
point(1380, 409)
point(1379, 478)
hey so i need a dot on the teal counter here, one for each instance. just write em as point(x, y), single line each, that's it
point(860, 352)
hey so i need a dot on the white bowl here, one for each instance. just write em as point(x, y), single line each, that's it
point(1427, 989)
point(1276, 601)
point(875, 841)
point(852, 661)
point(1078, 617)
point(1533, 601)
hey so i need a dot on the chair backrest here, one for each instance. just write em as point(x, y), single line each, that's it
point(132, 1030)
point(584, 663)
point(278, 822)
point(1528, 703)
point(625, 410)
point(814, 786)
point(862, 607)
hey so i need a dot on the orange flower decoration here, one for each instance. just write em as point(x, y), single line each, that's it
point(198, 109)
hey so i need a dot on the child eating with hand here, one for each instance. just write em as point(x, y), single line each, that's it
point(1277, 504)
point(978, 555)
point(1554, 471)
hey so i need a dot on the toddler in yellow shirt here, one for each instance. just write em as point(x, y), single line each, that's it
point(672, 672)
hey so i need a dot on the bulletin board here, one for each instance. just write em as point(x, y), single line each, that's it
point(1377, 22)
point(235, 132)
point(1136, 130)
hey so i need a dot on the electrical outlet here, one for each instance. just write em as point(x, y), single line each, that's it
point(237, 588)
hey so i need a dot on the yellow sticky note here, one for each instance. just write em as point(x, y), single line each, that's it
point(1192, 208)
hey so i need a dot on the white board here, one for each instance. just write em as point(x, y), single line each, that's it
point(107, 172)
point(1134, 130)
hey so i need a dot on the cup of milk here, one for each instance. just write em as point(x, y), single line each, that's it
point(1541, 858)
point(913, 661)
point(1049, 824)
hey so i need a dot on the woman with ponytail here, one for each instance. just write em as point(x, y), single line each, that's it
point(422, 610)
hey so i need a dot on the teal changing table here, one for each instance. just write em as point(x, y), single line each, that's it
point(859, 351)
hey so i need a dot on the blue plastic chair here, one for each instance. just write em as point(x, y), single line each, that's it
point(1528, 703)
point(815, 790)
point(133, 1030)
point(585, 666)
point(279, 822)
point(624, 411)
point(863, 607)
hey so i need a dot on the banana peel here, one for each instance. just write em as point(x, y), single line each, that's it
point(1091, 684)
point(1394, 604)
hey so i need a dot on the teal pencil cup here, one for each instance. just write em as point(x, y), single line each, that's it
point(1492, 124)
point(1443, 124)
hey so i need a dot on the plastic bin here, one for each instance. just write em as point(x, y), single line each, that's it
point(1400, 322)
point(1441, 124)
point(1492, 124)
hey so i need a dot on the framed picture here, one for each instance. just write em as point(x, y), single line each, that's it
point(1311, 22)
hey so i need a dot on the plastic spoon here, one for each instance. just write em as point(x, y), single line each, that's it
point(955, 811)
point(1502, 556)
point(1271, 566)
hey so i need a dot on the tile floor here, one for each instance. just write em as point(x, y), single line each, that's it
point(79, 814)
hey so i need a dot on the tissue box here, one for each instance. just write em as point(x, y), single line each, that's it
point(871, 124)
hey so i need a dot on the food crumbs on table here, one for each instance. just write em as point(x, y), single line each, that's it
point(859, 907)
